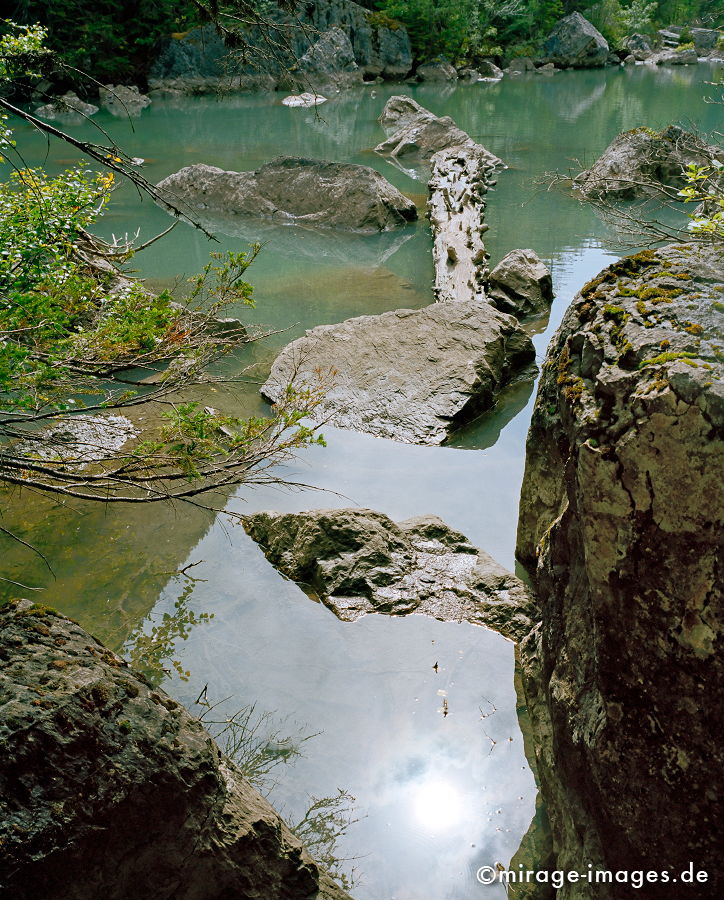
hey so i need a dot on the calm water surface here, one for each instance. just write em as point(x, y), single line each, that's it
point(437, 795)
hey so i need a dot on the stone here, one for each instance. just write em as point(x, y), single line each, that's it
point(547, 69)
point(441, 70)
point(78, 439)
point(305, 100)
point(521, 284)
point(410, 375)
point(705, 38)
point(520, 64)
point(673, 58)
point(638, 162)
point(357, 561)
point(620, 521)
point(69, 105)
point(200, 62)
point(295, 191)
point(109, 788)
point(329, 64)
point(414, 131)
point(575, 42)
point(123, 100)
point(488, 69)
point(468, 74)
point(637, 42)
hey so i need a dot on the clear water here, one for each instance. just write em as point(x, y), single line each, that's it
point(438, 795)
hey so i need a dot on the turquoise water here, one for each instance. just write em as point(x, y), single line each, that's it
point(436, 795)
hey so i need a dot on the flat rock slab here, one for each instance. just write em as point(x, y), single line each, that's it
point(358, 561)
point(109, 788)
point(292, 190)
point(410, 375)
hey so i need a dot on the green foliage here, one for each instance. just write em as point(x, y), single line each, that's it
point(111, 41)
point(704, 187)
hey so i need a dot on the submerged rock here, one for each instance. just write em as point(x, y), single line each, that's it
point(410, 375)
point(521, 284)
point(306, 99)
point(108, 788)
point(620, 516)
point(575, 42)
point(358, 561)
point(123, 100)
point(415, 131)
point(295, 191)
point(639, 162)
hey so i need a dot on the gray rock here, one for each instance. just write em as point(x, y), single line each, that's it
point(199, 62)
point(639, 162)
point(329, 64)
point(488, 69)
point(441, 70)
point(575, 42)
point(410, 375)
point(357, 561)
point(78, 439)
point(123, 100)
point(415, 131)
point(305, 100)
point(547, 69)
point(298, 191)
point(521, 284)
point(69, 105)
point(520, 64)
point(637, 42)
point(620, 517)
point(705, 38)
point(108, 788)
point(468, 74)
point(673, 58)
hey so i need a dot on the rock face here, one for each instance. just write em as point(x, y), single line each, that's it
point(199, 61)
point(69, 105)
point(357, 561)
point(108, 788)
point(329, 63)
point(575, 42)
point(295, 191)
point(620, 513)
point(414, 131)
point(123, 100)
point(638, 162)
point(521, 284)
point(411, 375)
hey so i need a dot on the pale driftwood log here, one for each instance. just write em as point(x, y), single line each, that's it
point(456, 209)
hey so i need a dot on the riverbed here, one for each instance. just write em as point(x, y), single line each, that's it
point(415, 718)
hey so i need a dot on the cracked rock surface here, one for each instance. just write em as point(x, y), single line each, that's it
point(108, 788)
point(358, 561)
point(621, 518)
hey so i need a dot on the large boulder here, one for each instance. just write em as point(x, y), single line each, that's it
point(108, 788)
point(122, 99)
point(411, 375)
point(620, 519)
point(328, 64)
point(357, 561)
point(414, 131)
point(440, 70)
point(293, 190)
point(575, 42)
point(642, 161)
point(521, 284)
